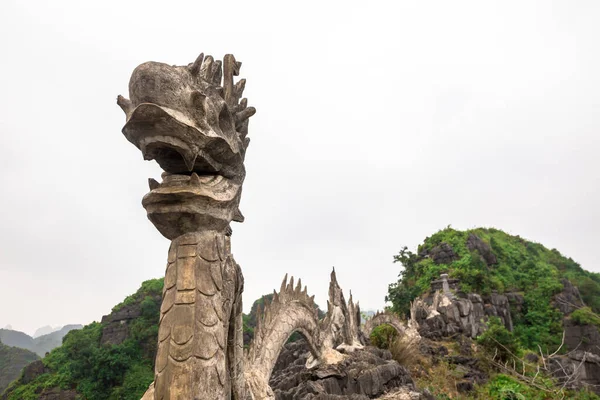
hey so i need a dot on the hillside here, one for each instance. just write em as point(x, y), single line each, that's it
point(12, 361)
point(487, 260)
point(110, 359)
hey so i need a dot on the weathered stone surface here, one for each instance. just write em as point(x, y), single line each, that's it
point(193, 122)
point(442, 254)
point(474, 243)
point(581, 337)
point(578, 369)
point(363, 374)
point(444, 314)
point(116, 328)
point(569, 299)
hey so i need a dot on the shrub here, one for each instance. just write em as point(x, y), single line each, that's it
point(498, 340)
point(383, 336)
point(585, 316)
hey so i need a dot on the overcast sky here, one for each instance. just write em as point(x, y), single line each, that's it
point(378, 124)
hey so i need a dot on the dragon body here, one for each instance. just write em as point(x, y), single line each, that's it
point(193, 121)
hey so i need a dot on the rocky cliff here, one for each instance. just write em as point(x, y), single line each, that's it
point(447, 312)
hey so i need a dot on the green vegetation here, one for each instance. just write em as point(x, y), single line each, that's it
point(107, 372)
point(585, 316)
point(498, 340)
point(522, 266)
point(383, 336)
point(98, 371)
point(505, 387)
point(12, 361)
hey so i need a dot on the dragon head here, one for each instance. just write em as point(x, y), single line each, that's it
point(190, 119)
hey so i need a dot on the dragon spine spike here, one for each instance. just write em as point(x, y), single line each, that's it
point(195, 67)
point(217, 73)
point(290, 287)
point(243, 104)
point(206, 68)
point(283, 284)
point(299, 287)
point(245, 114)
point(238, 91)
point(258, 317)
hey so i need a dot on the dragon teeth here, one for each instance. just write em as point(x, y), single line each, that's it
point(195, 179)
point(152, 183)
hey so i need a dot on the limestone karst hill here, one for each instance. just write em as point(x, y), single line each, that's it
point(488, 261)
point(512, 295)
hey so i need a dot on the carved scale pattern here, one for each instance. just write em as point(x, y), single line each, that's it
point(201, 305)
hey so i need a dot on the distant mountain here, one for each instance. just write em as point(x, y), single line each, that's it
point(40, 345)
point(12, 361)
point(44, 330)
point(45, 343)
point(17, 339)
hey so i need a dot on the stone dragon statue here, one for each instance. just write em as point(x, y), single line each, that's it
point(194, 122)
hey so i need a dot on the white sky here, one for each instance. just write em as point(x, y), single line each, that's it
point(378, 124)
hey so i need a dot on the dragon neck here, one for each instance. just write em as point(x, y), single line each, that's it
point(201, 302)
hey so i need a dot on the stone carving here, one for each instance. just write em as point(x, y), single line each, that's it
point(192, 121)
point(291, 310)
point(342, 322)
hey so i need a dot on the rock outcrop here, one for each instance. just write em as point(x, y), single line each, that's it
point(577, 369)
point(474, 243)
point(441, 254)
point(446, 313)
point(361, 375)
point(116, 324)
